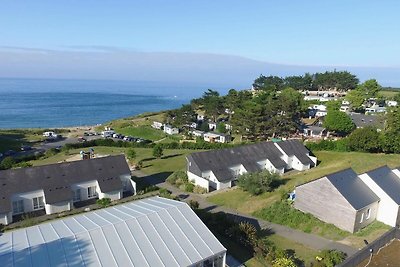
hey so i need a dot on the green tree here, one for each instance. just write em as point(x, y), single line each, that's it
point(391, 136)
point(158, 151)
point(7, 163)
point(356, 99)
point(221, 128)
point(131, 154)
point(365, 139)
point(338, 122)
point(268, 84)
point(370, 88)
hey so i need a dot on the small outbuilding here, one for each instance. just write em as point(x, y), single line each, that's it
point(340, 198)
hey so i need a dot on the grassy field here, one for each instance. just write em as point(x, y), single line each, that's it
point(142, 131)
point(389, 93)
point(173, 159)
point(14, 139)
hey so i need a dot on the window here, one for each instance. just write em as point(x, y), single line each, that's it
point(368, 214)
point(18, 206)
point(91, 192)
point(362, 217)
point(38, 203)
point(77, 195)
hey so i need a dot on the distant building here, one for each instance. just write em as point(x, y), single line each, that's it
point(58, 187)
point(157, 125)
point(375, 109)
point(149, 232)
point(169, 129)
point(197, 133)
point(213, 137)
point(314, 131)
point(391, 103)
point(317, 111)
point(218, 169)
point(212, 126)
point(363, 120)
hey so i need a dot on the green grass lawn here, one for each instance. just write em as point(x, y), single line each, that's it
point(388, 94)
point(173, 159)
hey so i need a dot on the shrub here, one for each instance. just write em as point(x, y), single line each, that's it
point(178, 178)
point(199, 190)
point(7, 163)
point(51, 152)
point(194, 204)
point(104, 202)
point(131, 153)
point(157, 151)
point(329, 258)
point(189, 187)
point(258, 182)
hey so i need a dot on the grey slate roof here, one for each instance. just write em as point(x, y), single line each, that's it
point(362, 120)
point(295, 148)
point(352, 188)
point(387, 181)
point(149, 232)
point(56, 179)
point(219, 161)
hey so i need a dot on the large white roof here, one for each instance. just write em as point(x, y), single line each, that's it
point(149, 232)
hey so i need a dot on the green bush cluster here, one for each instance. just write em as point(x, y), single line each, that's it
point(258, 182)
point(329, 258)
point(104, 202)
point(180, 180)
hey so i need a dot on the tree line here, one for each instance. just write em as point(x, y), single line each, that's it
point(329, 80)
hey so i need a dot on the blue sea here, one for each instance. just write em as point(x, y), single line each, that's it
point(36, 103)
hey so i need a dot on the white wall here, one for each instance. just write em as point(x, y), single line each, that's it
point(58, 207)
point(388, 209)
point(27, 198)
point(297, 165)
point(131, 185)
point(6, 218)
point(114, 195)
point(200, 181)
point(84, 186)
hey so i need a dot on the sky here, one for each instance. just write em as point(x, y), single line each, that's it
point(39, 37)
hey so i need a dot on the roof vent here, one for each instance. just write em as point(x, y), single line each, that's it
point(4, 184)
point(48, 177)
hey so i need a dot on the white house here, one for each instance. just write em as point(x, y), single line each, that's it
point(385, 183)
point(212, 126)
point(375, 109)
point(391, 103)
point(148, 232)
point(169, 129)
point(212, 137)
point(218, 169)
point(314, 131)
point(157, 125)
point(56, 187)
point(197, 133)
point(50, 134)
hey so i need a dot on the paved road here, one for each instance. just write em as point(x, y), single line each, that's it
point(310, 240)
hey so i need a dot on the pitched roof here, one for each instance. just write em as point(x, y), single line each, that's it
point(149, 232)
point(294, 147)
point(219, 161)
point(56, 179)
point(362, 120)
point(352, 188)
point(388, 181)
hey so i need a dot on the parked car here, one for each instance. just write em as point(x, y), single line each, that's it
point(81, 139)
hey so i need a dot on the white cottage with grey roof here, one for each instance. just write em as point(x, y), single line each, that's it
point(58, 187)
point(339, 198)
point(218, 169)
point(149, 232)
point(385, 183)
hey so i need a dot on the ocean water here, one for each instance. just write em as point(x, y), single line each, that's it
point(31, 103)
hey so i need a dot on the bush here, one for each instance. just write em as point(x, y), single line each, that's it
point(7, 163)
point(258, 182)
point(158, 151)
point(189, 187)
point(131, 153)
point(194, 204)
point(51, 152)
point(329, 258)
point(104, 202)
point(178, 178)
point(199, 190)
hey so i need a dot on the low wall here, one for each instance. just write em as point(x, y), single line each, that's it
point(365, 253)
